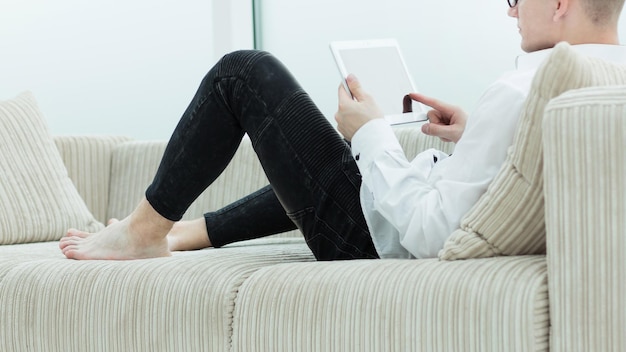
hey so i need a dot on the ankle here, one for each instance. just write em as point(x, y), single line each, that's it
point(189, 235)
point(148, 222)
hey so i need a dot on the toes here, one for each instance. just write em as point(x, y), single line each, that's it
point(70, 251)
point(64, 242)
point(112, 221)
point(77, 233)
point(68, 241)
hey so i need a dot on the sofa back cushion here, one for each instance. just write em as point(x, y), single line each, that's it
point(509, 218)
point(37, 198)
point(135, 163)
point(88, 163)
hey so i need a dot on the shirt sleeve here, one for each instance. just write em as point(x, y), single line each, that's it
point(425, 199)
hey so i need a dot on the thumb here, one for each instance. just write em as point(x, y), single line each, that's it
point(355, 87)
point(441, 131)
point(343, 93)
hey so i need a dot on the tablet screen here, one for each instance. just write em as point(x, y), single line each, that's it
point(380, 69)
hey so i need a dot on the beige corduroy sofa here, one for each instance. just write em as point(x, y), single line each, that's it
point(270, 295)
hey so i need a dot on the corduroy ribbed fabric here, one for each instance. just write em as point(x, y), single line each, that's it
point(509, 218)
point(584, 141)
point(88, 163)
point(485, 305)
point(180, 303)
point(37, 198)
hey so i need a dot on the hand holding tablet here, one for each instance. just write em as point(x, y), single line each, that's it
point(379, 66)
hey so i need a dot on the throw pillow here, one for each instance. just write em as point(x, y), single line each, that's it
point(509, 218)
point(37, 198)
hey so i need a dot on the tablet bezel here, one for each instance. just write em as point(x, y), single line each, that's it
point(419, 110)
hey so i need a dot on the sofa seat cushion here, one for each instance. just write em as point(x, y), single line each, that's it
point(12, 256)
point(182, 303)
point(497, 304)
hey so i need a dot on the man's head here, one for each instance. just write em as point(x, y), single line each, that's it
point(544, 23)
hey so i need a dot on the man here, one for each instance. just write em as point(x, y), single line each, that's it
point(376, 204)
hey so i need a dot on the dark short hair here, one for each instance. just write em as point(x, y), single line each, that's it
point(603, 11)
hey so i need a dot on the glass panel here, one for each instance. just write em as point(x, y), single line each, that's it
point(451, 55)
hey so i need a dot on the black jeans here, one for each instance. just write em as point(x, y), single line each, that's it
point(314, 179)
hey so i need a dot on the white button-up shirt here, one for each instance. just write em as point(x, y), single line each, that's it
point(411, 207)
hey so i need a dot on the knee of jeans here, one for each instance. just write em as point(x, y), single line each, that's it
point(240, 54)
point(241, 59)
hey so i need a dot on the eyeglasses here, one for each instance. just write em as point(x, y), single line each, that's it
point(512, 3)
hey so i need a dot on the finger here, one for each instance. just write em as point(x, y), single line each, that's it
point(435, 116)
point(442, 131)
point(432, 102)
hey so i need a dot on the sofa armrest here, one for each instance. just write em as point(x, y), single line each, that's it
point(585, 193)
point(88, 163)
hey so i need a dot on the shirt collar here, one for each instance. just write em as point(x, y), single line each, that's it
point(613, 53)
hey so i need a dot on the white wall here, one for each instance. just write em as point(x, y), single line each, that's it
point(124, 67)
point(454, 50)
point(130, 67)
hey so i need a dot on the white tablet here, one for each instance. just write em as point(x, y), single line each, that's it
point(380, 67)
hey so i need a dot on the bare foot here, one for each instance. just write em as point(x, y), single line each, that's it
point(140, 235)
point(185, 235)
point(189, 235)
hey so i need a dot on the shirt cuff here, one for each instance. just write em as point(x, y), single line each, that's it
point(372, 139)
